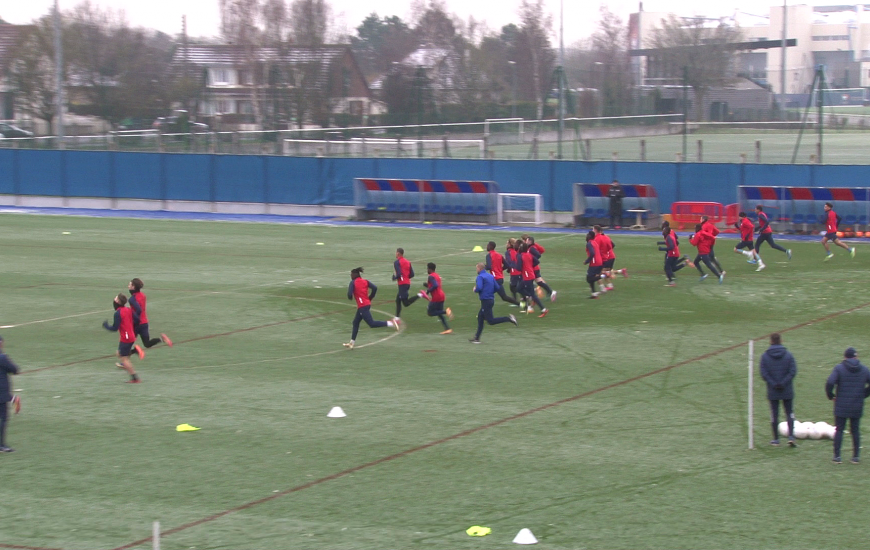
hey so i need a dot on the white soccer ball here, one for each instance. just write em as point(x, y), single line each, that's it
point(801, 429)
point(830, 431)
point(783, 429)
point(816, 431)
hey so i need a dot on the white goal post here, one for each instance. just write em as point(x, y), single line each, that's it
point(520, 208)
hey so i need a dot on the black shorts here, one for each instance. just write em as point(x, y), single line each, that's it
point(593, 272)
point(608, 264)
point(831, 235)
point(745, 244)
point(125, 349)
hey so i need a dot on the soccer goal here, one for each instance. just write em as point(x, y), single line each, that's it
point(386, 147)
point(520, 208)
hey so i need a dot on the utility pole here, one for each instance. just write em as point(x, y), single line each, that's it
point(561, 75)
point(685, 110)
point(513, 65)
point(783, 64)
point(58, 73)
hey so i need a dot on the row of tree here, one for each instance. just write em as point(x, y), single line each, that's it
point(118, 72)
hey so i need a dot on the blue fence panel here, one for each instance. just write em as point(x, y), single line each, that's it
point(661, 175)
point(239, 179)
point(188, 177)
point(712, 182)
point(519, 176)
point(337, 177)
point(459, 169)
point(778, 175)
point(89, 173)
point(137, 176)
point(41, 173)
point(8, 177)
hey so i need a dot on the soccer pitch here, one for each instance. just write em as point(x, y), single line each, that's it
point(618, 423)
point(725, 146)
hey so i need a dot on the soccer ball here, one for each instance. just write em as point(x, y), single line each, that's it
point(783, 429)
point(540, 292)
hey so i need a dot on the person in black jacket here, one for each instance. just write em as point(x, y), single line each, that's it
point(7, 367)
point(778, 368)
point(848, 386)
point(615, 193)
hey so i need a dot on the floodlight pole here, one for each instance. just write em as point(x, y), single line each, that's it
point(685, 110)
point(513, 65)
point(58, 73)
point(783, 64)
point(561, 75)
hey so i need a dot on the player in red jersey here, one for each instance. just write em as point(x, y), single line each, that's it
point(832, 223)
point(403, 273)
point(608, 257)
point(702, 239)
point(435, 294)
point(125, 319)
point(673, 260)
point(138, 301)
point(362, 292)
point(765, 233)
point(512, 257)
point(538, 251)
point(496, 265)
point(711, 228)
point(747, 230)
point(595, 263)
point(527, 287)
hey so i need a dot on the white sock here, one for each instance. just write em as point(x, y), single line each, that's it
point(389, 324)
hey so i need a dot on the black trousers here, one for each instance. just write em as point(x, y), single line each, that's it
point(365, 314)
point(855, 428)
point(4, 417)
point(788, 407)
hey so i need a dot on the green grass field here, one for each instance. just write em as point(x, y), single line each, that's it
point(618, 423)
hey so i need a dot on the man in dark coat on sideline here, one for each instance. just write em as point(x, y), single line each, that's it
point(7, 367)
point(778, 368)
point(848, 386)
point(615, 194)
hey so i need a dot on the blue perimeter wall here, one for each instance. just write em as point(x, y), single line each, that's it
point(329, 181)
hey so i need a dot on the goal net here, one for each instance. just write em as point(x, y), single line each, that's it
point(519, 208)
point(386, 147)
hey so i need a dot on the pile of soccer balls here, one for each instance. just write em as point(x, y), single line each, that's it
point(808, 430)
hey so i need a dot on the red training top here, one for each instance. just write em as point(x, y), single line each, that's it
point(125, 329)
point(361, 292)
point(497, 262)
point(528, 271)
point(831, 222)
point(597, 260)
point(436, 293)
point(747, 228)
point(513, 257)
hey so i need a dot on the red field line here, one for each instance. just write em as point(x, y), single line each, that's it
point(474, 430)
point(206, 337)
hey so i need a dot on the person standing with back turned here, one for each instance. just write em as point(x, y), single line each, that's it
point(848, 386)
point(615, 194)
point(778, 368)
point(7, 367)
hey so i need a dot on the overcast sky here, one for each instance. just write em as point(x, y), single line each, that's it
point(203, 19)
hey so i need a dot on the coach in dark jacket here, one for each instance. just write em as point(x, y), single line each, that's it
point(615, 193)
point(848, 386)
point(778, 369)
point(7, 367)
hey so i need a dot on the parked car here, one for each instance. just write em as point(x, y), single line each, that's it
point(178, 124)
point(10, 131)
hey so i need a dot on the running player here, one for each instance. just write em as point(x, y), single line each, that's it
point(484, 286)
point(702, 239)
point(495, 264)
point(595, 263)
point(537, 251)
point(527, 287)
point(831, 226)
point(765, 233)
point(363, 292)
point(512, 257)
point(403, 275)
point(435, 294)
point(747, 229)
point(608, 257)
point(125, 320)
point(711, 228)
point(138, 302)
point(673, 260)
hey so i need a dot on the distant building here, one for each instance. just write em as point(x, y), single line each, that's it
point(9, 37)
point(301, 85)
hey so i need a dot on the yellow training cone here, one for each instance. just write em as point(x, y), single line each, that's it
point(478, 531)
point(477, 248)
point(185, 428)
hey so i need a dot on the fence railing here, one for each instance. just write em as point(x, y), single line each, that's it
point(647, 138)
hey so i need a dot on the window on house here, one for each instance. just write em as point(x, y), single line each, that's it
point(245, 107)
point(356, 108)
point(245, 78)
point(220, 76)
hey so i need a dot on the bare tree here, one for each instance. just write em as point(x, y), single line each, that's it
point(309, 22)
point(610, 69)
point(534, 43)
point(239, 26)
point(31, 71)
point(691, 50)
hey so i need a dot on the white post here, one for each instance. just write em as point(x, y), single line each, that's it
point(155, 535)
point(751, 398)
